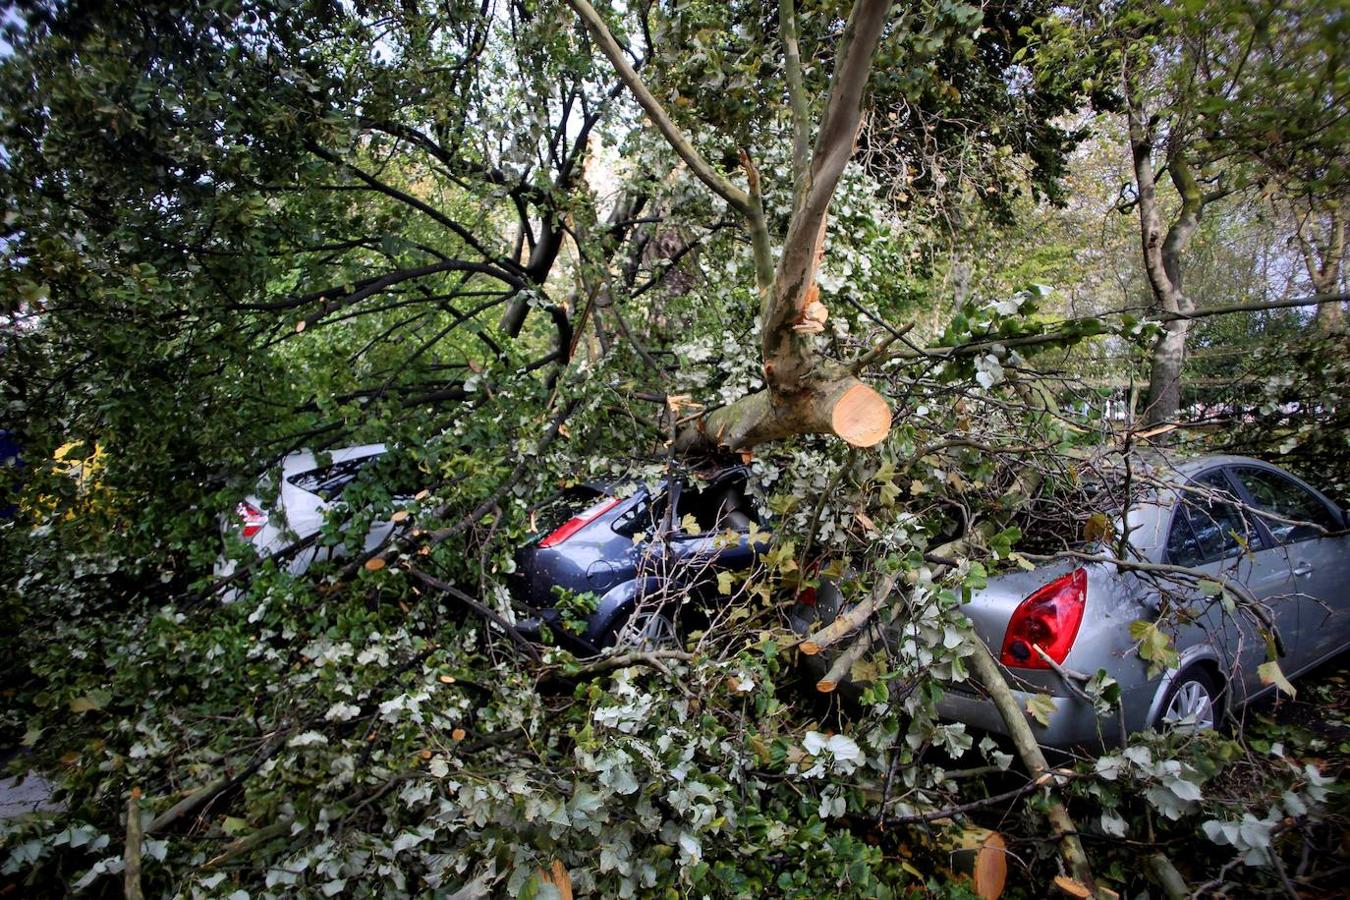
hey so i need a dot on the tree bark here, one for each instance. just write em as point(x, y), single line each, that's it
point(1070, 847)
point(131, 857)
point(1163, 257)
point(1323, 251)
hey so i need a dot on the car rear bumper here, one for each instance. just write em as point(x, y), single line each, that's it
point(1072, 721)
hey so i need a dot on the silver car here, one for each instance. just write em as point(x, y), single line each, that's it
point(1277, 545)
point(309, 488)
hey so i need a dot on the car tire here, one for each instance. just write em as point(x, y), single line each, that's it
point(1193, 702)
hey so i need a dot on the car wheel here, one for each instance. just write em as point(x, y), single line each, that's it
point(1192, 703)
point(649, 629)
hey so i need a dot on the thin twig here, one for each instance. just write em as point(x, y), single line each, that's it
point(950, 811)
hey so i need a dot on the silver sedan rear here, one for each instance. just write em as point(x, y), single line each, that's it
point(1276, 546)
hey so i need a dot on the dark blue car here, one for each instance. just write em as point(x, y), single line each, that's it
point(643, 566)
point(10, 464)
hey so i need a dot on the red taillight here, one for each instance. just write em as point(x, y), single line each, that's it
point(807, 595)
point(1049, 619)
point(252, 518)
point(580, 521)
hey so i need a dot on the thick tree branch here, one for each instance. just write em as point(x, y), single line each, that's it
point(1070, 847)
point(796, 88)
point(786, 356)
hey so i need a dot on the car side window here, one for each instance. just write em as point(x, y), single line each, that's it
point(1301, 515)
point(1218, 529)
point(718, 507)
point(1182, 547)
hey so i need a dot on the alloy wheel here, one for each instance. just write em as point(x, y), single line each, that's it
point(1191, 707)
point(648, 630)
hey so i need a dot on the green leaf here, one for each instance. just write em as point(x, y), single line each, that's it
point(725, 582)
point(756, 536)
point(1154, 645)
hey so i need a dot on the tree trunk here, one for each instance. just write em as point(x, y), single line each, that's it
point(1322, 256)
point(1164, 377)
point(805, 393)
point(1330, 318)
point(832, 401)
point(1163, 257)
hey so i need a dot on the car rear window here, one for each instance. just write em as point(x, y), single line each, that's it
point(553, 512)
point(328, 482)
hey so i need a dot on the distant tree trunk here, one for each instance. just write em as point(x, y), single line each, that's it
point(1323, 250)
point(1330, 318)
point(805, 393)
point(1163, 258)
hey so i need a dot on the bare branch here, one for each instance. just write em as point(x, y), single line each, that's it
point(656, 112)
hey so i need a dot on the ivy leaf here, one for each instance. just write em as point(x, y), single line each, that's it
point(890, 492)
point(94, 700)
point(1114, 825)
point(756, 536)
point(885, 478)
point(1097, 528)
point(726, 540)
point(1040, 707)
point(783, 557)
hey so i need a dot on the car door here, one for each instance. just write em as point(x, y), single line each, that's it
point(1211, 533)
point(1306, 525)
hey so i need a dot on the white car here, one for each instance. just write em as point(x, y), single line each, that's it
point(308, 492)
